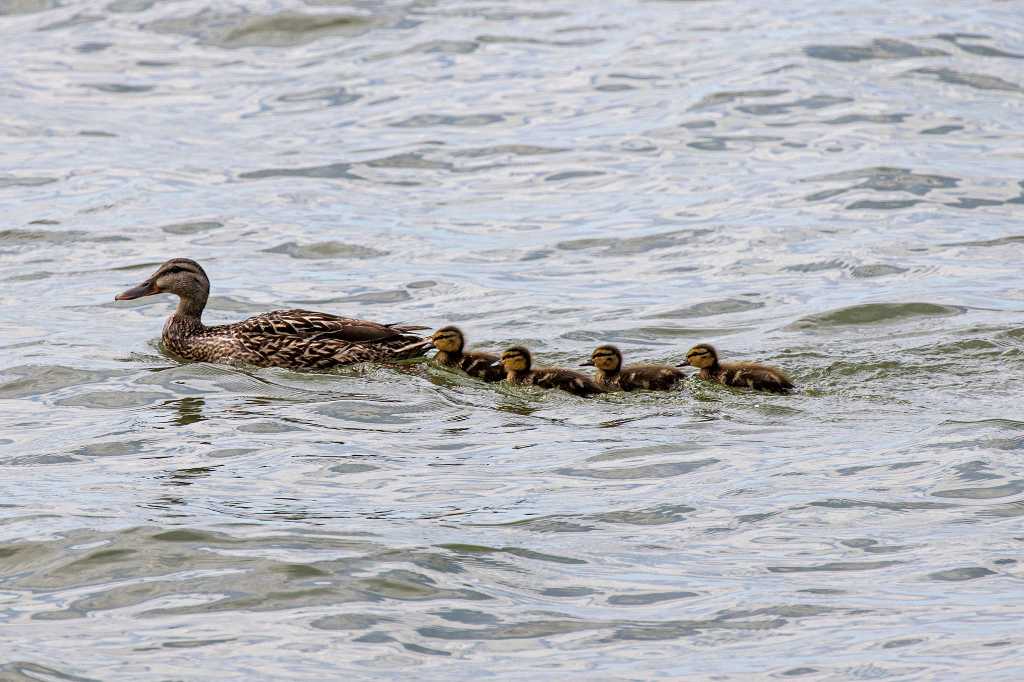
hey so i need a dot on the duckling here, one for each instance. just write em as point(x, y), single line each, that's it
point(613, 376)
point(450, 343)
point(517, 362)
point(742, 374)
point(299, 339)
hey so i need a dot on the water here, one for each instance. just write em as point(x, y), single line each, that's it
point(832, 187)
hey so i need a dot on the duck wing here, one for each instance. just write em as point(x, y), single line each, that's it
point(565, 379)
point(312, 325)
point(757, 377)
point(298, 352)
point(650, 377)
point(482, 366)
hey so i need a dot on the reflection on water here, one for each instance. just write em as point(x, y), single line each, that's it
point(187, 410)
point(835, 189)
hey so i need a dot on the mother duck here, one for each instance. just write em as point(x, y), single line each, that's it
point(297, 339)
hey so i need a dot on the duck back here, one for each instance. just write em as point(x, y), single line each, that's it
point(649, 377)
point(296, 339)
point(564, 379)
point(755, 376)
point(474, 363)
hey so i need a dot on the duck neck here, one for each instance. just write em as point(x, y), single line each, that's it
point(606, 375)
point(711, 371)
point(516, 376)
point(449, 357)
point(187, 319)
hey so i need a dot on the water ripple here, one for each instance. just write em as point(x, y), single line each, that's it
point(817, 187)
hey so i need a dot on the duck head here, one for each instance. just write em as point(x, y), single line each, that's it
point(605, 358)
point(701, 356)
point(516, 359)
point(448, 339)
point(180, 276)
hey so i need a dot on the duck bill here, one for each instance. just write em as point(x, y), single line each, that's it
point(588, 363)
point(684, 363)
point(147, 288)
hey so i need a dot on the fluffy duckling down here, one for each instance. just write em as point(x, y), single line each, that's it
point(739, 374)
point(518, 364)
point(450, 343)
point(614, 377)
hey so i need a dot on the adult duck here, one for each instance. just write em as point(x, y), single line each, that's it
point(297, 339)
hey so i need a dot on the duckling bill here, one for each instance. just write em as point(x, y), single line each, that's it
point(518, 363)
point(297, 339)
point(740, 374)
point(614, 377)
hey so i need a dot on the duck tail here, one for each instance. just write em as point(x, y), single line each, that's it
point(402, 327)
point(413, 350)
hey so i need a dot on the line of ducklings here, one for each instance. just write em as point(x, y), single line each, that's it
point(515, 365)
point(308, 339)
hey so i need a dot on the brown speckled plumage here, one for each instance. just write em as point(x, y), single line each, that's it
point(738, 374)
point(297, 339)
point(450, 343)
point(614, 377)
point(518, 370)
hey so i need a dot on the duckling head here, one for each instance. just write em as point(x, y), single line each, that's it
point(448, 339)
point(179, 276)
point(701, 356)
point(606, 359)
point(516, 359)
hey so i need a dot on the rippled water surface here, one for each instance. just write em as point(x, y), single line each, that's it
point(836, 188)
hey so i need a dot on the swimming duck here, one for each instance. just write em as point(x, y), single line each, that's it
point(742, 374)
point(517, 362)
point(298, 339)
point(613, 376)
point(450, 344)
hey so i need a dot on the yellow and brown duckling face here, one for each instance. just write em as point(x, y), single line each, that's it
point(516, 359)
point(701, 356)
point(180, 276)
point(448, 339)
point(606, 359)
